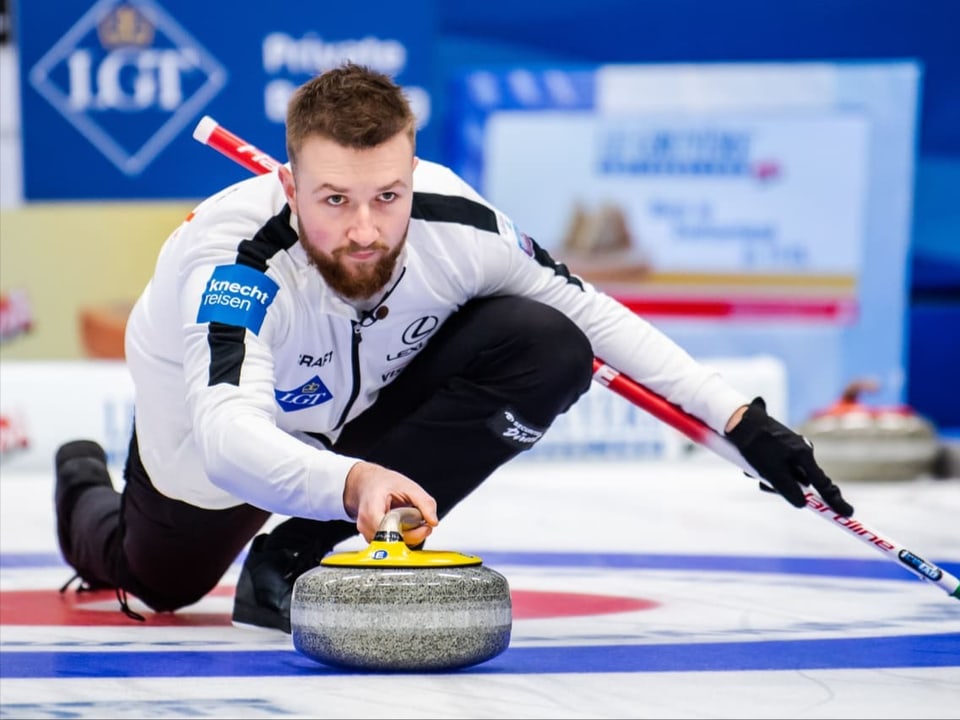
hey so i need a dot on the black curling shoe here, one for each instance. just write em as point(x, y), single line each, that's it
point(265, 586)
point(79, 465)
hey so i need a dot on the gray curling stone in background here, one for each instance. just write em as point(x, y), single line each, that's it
point(390, 608)
point(856, 441)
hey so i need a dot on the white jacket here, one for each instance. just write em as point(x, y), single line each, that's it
point(238, 349)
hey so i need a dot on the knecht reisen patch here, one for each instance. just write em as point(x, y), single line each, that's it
point(237, 295)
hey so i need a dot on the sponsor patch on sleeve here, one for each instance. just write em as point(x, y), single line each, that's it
point(526, 243)
point(508, 230)
point(312, 393)
point(237, 295)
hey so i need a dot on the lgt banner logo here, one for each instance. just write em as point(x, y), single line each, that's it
point(126, 59)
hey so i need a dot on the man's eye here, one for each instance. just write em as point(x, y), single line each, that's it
point(336, 200)
point(388, 196)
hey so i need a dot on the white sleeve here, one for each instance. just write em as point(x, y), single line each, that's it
point(243, 451)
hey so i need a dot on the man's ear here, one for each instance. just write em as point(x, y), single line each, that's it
point(289, 186)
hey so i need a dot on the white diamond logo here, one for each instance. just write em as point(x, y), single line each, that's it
point(129, 78)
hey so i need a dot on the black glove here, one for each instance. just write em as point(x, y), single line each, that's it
point(783, 458)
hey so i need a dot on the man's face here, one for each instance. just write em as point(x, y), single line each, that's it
point(353, 209)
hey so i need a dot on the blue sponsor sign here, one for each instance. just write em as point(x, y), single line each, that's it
point(312, 393)
point(111, 91)
point(237, 295)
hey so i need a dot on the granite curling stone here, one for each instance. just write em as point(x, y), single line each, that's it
point(391, 608)
point(857, 441)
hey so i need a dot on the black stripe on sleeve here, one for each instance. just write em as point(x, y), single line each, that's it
point(453, 209)
point(463, 211)
point(275, 235)
point(544, 258)
point(226, 353)
point(226, 342)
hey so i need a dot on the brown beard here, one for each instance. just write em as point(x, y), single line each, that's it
point(357, 284)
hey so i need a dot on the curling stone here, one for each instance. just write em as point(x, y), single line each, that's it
point(856, 441)
point(391, 608)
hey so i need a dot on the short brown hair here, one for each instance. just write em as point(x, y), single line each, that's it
point(352, 105)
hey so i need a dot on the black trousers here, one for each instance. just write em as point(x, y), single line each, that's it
point(496, 374)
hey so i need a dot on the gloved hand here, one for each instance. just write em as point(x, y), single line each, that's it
point(783, 458)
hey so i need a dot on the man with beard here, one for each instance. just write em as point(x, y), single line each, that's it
point(357, 332)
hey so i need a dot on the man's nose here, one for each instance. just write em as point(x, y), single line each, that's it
point(363, 230)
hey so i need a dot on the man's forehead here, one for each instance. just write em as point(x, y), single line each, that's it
point(327, 166)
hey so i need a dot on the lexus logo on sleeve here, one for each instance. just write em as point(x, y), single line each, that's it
point(419, 329)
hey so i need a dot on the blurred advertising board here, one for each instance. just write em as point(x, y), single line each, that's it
point(111, 91)
point(744, 208)
point(35, 417)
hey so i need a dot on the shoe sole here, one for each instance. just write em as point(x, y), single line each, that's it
point(257, 628)
point(255, 617)
point(79, 449)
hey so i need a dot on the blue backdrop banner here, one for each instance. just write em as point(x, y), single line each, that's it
point(111, 92)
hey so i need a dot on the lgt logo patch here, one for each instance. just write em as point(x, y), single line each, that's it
point(312, 393)
point(129, 78)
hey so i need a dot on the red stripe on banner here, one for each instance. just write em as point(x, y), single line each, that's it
point(832, 310)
